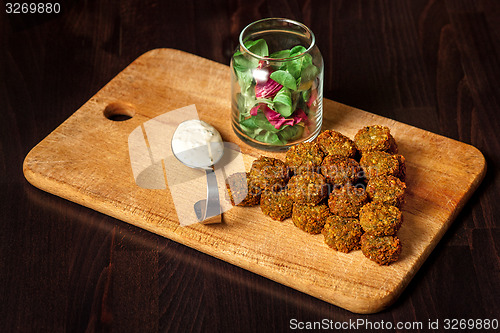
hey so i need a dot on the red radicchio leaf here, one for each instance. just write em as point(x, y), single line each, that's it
point(277, 120)
point(254, 110)
point(268, 89)
point(300, 115)
point(265, 87)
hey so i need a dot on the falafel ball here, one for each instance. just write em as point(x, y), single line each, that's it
point(339, 171)
point(378, 163)
point(346, 201)
point(383, 250)
point(378, 219)
point(276, 204)
point(386, 189)
point(342, 233)
point(269, 173)
point(336, 144)
point(304, 157)
point(308, 188)
point(241, 190)
point(310, 218)
point(375, 138)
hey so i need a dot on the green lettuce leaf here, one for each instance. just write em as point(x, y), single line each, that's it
point(284, 78)
point(283, 102)
point(268, 137)
point(258, 47)
point(290, 133)
point(280, 54)
point(296, 50)
point(309, 73)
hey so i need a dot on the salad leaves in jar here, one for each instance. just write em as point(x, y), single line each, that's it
point(277, 98)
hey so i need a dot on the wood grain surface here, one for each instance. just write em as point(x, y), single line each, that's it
point(432, 64)
point(87, 160)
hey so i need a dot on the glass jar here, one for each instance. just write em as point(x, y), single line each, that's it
point(276, 84)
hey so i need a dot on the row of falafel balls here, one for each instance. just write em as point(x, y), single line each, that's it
point(351, 191)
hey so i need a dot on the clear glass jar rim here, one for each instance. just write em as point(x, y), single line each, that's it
point(301, 25)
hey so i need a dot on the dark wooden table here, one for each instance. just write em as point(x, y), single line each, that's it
point(433, 64)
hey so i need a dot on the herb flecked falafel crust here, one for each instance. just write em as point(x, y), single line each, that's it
point(336, 144)
point(378, 219)
point(383, 250)
point(269, 173)
point(310, 218)
point(378, 163)
point(304, 157)
point(346, 201)
point(386, 189)
point(276, 204)
point(342, 233)
point(308, 188)
point(339, 171)
point(375, 138)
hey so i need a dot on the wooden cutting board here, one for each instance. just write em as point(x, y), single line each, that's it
point(86, 160)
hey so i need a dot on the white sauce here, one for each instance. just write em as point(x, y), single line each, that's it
point(197, 144)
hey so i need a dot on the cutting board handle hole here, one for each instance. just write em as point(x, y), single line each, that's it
point(119, 111)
